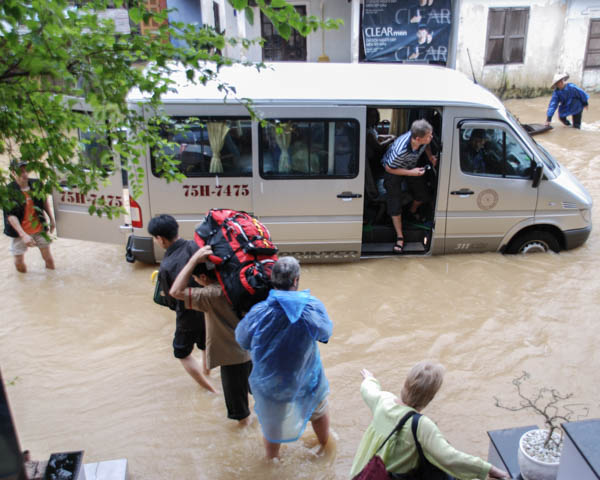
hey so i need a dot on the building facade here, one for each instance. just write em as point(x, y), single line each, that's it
point(513, 47)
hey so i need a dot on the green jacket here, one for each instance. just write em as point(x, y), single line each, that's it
point(400, 454)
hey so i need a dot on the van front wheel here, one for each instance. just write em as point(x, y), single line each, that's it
point(534, 241)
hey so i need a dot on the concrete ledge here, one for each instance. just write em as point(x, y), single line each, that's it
point(504, 447)
point(580, 457)
point(108, 470)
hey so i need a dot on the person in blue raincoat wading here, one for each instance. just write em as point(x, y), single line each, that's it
point(287, 380)
point(569, 99)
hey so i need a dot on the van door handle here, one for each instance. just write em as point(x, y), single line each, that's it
point(462, 191)
point(349, 195)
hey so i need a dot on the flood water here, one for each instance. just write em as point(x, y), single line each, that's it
point(89, 363)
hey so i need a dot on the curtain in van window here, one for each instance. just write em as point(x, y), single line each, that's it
point(217, 131)
point(283, 140)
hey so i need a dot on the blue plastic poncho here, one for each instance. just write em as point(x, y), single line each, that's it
point(287, 378)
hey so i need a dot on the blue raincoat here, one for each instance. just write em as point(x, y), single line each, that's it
point(570, 101)
point(287, 378)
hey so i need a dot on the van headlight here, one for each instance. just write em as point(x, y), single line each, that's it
point(586, 214)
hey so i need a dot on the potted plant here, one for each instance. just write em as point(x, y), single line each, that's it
point(540, 449)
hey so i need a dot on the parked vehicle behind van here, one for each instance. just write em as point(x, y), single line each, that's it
point(310, 182)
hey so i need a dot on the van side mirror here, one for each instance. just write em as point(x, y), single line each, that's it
point(536, 175)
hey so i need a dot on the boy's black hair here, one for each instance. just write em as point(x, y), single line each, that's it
point(202, 269)
point(164, 226)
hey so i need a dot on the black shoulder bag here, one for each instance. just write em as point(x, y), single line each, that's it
point(425, 470)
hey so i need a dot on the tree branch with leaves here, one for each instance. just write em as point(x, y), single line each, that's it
point(64, 69)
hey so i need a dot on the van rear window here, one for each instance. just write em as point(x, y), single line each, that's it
point(307, 148)
point(207, 147)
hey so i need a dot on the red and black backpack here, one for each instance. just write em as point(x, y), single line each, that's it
point(243, 254)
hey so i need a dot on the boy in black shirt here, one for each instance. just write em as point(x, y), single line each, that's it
point(190, 327)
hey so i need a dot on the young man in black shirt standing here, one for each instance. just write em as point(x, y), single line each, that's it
point(190, 326)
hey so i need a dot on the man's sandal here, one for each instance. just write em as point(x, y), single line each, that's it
point(398, 247)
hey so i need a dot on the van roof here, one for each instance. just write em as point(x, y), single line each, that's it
point(337, 83)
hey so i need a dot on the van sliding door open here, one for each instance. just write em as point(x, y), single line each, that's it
point(309, 180)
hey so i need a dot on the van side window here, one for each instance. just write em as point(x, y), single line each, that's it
point(206, 147)
point(493, 152)
point(309, 149)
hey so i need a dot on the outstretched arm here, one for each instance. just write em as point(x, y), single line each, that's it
point(552, 108)
point(48, 210)
point(181, 282)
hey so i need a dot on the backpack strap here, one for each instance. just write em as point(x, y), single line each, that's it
point(415, 424)
point(397, 428)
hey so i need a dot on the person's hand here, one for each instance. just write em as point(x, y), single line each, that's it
point(28, 240)
point(366, 373)
point(433, 160)
point(497, 473)
point(586, 107)
point(417, 172)
point(52, 226)
point(547, 124)
point(202, 254)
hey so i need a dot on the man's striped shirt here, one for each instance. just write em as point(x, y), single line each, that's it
point(401, 155)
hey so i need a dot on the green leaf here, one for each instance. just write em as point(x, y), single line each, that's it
point(278, 3)
point(239, 4)
point(136, 15)
point(249, 15)
point(284, 30)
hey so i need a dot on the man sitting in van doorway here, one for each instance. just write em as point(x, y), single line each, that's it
point(404, 181)
point(190, 327)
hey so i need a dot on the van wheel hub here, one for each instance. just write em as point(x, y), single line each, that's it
point(534, 246)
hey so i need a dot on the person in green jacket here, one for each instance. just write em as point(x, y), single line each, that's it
point(399, 454)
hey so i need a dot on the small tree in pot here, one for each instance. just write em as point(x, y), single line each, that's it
point(539, 449)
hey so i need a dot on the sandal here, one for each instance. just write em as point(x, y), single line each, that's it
point(398, 248)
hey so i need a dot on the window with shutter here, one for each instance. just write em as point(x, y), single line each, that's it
point(592, 52)
point(506, 35)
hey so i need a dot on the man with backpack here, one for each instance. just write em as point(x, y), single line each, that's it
point(26, 222)
point(288, 382)
point(190, 327)
point(221, 320)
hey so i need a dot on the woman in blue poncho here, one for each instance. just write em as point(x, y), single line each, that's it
point(569, 99)
point(287, 380)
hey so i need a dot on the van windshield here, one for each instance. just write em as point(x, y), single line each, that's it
point(544, 154)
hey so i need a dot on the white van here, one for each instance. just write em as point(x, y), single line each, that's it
point(312, 184)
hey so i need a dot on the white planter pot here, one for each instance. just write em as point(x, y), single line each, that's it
point(534, 468)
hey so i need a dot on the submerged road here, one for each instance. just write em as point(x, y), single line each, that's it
point(89, 360)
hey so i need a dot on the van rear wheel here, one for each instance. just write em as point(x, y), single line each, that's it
point(534, 241)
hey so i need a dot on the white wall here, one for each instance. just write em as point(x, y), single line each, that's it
point(577, 24)
point(546, 19)
point(556, 41)
point(337, 42)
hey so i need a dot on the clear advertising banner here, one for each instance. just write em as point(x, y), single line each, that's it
point(407, 30)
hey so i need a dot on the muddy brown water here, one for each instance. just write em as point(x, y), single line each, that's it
point(89, 363)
